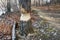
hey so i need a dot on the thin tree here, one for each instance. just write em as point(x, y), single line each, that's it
point(8, 6)
point(34, 2)
point(39, 2)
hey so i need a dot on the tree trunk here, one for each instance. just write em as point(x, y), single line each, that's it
point(39, 2)
point(8, 6)
point(26, 27)
point(25, 19)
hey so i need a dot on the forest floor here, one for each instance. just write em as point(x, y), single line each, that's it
point(46, 26)
point(53, 17)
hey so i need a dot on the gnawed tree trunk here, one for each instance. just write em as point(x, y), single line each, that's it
point(25, 19)
point(26, 25)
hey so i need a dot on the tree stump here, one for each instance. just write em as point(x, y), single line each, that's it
point(25, 24)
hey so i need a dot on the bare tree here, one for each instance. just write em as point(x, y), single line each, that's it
point(8, 6)
point(39, 2)
point(34, 3)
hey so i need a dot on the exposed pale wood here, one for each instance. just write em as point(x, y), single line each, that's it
point(25, 17)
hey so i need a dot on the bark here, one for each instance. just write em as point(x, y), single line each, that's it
point(26, 27)
point(8, 6)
